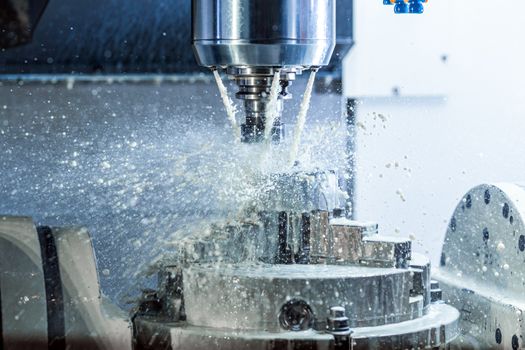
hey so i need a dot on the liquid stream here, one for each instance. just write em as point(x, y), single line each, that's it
point(301, 118)
point(228, 105)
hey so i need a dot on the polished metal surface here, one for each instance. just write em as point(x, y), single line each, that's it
point(153, 333)
point(252, 39)
point(481, 271)
point(241, 306)
point(250, 296)
point(255, 281)
point(432, 331)
point(267, 33)
point(254, 90)
point(305, 192)
point(435, 330)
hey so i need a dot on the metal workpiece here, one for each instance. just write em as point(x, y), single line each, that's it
point(386, 251)
point(259, 306)
point(337, 239)
point(231, 243)
point(298, 220)
point(294, 272)
point(481, 271)
point(421, 281)
point(305, 192)
point(275, 237)
point(252, 40)
point(348, 238)
point(435, 330)
point(268, 289)
point(344, 241)
point(302, 238)
point(153, 333)
point(250, 297)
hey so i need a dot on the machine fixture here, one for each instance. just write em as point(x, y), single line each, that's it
point(252, 283)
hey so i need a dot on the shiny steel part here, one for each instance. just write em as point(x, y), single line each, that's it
point(296, 274)
point(263, 33)
point(250, 297)
point(435, 330)
point(337, 322)
point(387, 307)
point(154, 333)
point(432, 331)
point(254, 90)
point(482, 272)
point(248, 302)
point(304, 192)
point(251, 39)
point(272, 306)
point(300, 220)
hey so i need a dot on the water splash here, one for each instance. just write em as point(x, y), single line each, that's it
point(272, 111)
point(228, 105)
point(157, 171)
point(301, 118)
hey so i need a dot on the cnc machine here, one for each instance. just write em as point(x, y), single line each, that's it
point(293, 272)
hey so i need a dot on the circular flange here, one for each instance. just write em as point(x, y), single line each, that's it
point(485, 239)
point(252, 296)
point(434, 330)
point(482, 261)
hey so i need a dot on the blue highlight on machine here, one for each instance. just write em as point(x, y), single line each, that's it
point(407, 6)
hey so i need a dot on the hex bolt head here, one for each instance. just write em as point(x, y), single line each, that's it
point(337, 322)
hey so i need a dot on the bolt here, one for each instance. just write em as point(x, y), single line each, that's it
point(337, 321)
point(339, 327)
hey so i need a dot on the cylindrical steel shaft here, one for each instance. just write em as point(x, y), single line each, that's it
point(254, 38)
point(263, 32)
